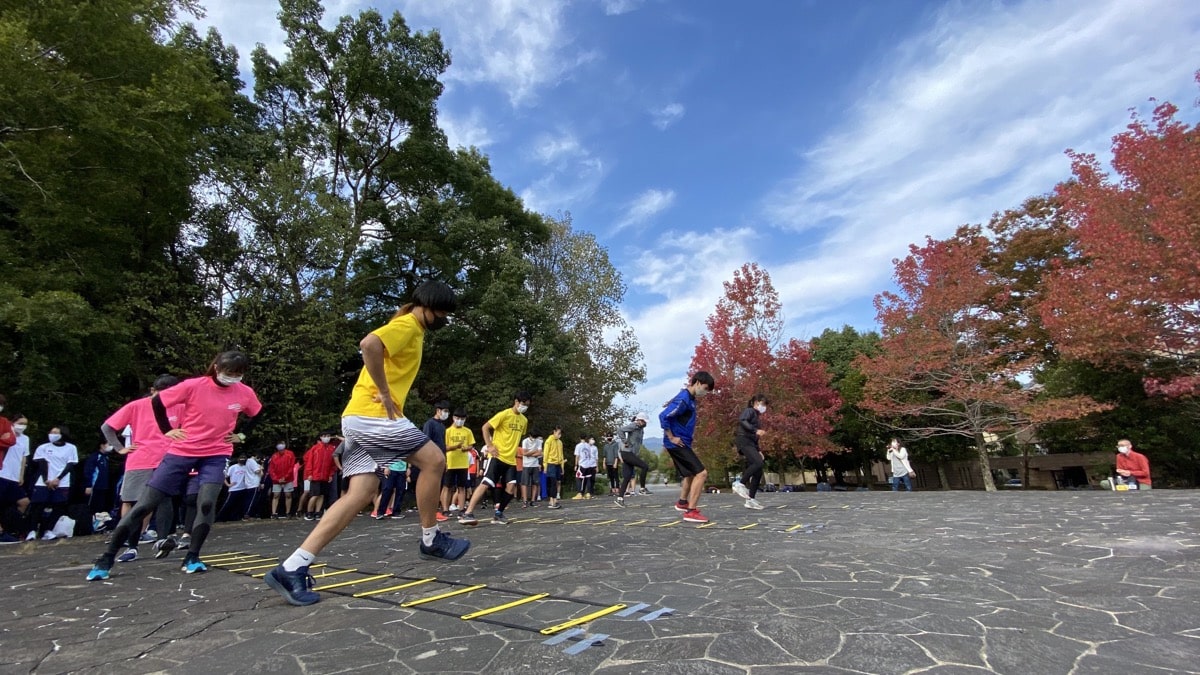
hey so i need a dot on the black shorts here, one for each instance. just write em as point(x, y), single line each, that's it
point(687, 464)
point(320, 488)
point(499, 473)
point(11, 492)
point(456, 478)
point(531, 475)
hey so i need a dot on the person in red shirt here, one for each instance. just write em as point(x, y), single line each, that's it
point(281, 467)
point(8, 437)
point(1133, 469)
point(319, 470)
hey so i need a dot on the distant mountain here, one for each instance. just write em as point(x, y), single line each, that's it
point(653, 443)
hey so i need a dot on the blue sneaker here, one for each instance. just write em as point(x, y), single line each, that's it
point(295, 587)
point(129, 555)
point(100, 569)
point(445, 547)
point(192, 564)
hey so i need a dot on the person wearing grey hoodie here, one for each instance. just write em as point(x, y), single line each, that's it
point(630, 436)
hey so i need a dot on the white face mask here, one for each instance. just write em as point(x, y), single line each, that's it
point(458, 421)
point(701, 392)
point(228, 379)
point(443, 415)
point(19, 428)
point(1124, 449)
point(522, 408)
point(54, 438)
point(280, 446)
point(760, 408)
point(325, 439)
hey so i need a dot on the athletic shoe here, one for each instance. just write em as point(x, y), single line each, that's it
point(388, 513)
point(149, 536)
point(31, 536)
point(295, 587)
point(681, 506)
point(753, 504)
point(6, 538)
point(318, 518)
point(49, 536)
point(468, 518)
point(444, 547)
point(185, 538)
point(192, 564)
point(100, 570)
point(453, 509)
point(578, 495)
point(554, 506)
point(499, 519)
point(441, 517)
point(379, 516)
point(309, 516)
point(620, 501)
point(644, 491)
point(694, 516)
point(590, 496)
point(741, 490)
point(163, 547)
point(129, 555)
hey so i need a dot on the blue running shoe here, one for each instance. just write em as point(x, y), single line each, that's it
point(192, 564)
point(100, 569)
point(129, 555)
point(295, 587)
point(445, 547)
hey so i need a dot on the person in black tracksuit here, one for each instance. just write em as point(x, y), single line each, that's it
point(630, 437)
point(746, 440)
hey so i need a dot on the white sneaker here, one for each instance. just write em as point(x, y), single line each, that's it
point(753, 504)
point(741, 490)
point(31, 536)
point(453, 508)
point(49, 536)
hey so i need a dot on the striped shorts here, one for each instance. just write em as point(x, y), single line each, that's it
point(373, 442)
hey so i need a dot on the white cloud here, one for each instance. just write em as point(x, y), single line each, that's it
point(615, 7)
point(647, 205)
point(969, 118)
point(565, 190)
point(554, 149)
point(465, 132)
point(667, 115)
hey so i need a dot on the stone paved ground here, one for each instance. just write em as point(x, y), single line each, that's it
point(935, 582)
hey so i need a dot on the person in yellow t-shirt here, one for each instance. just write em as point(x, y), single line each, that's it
point(552, 455)
point(501, 436)
point(377, 433)
point(460, 441)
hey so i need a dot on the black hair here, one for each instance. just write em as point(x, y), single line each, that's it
point(232, 362)
point(522, 396)
point(442, 405)
point(433, 295)
point(759, 398)
point(702, 377)
point(164, 382)
point(460, 412)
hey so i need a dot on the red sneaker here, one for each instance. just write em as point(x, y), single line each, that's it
point(694, 516)
point(441, 517)
point(388, 513)
point(681, 505)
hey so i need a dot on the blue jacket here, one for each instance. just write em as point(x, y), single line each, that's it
point(680, 418)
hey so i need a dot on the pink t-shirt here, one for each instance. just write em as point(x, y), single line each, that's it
point(150, 442)
point(210, 413)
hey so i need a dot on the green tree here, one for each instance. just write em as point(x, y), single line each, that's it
point(855, 428)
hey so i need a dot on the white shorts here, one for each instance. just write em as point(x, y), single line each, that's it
point(372, 442)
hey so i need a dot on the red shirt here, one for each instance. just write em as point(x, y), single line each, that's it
point(151, 444)
point(210, 412)
point(281, 466)
point(318, 462)
point(8, 437)
point(1136, 464)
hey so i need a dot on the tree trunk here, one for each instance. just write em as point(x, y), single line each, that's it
point(985, 465)
point(942, 477)
point(1025, 469)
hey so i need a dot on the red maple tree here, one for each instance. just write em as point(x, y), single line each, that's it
point(745, 352)
point(1131, 293)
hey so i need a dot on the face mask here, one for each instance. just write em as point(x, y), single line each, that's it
point(228, 379)
point(19, 428)
point(325, 439)
point(54, 438)
point(105, 449)
point(1124, 449)
point(760, 408)
point(701, 393)
point(522, 408)
point(443, 415)
point(458, 421)
point(437, 323)
point(280, 446)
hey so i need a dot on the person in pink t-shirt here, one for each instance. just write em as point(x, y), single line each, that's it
point(211, 405)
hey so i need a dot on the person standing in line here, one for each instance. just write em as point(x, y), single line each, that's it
point(746, 440)
point(254, 487)
point(612, 462)
point(393, 484)
point(460, 444)
point(901, 469)
point(203, 443)
point(97, 486)
point(531, 468)
point(8, 437)
point(435, 429)
point(319, 470)
point(12, 478)
point(281, 467)
point(235, 501)
point(54, 459)
point(1133, 468)
point(501, 436)
point(678, 421)
point(631, 436)
point(377, 433)
point(587, 459)
point(552, 454)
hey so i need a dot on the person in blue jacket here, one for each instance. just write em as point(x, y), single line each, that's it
point(678, 421)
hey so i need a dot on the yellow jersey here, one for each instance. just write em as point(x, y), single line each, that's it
point(508, 428)
point(552, 450)
point(462, 437)
point(403, 338)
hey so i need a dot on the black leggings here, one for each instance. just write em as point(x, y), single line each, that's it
point(206, 506)
point(164, 522)
point(752, 476)
point(629, 462)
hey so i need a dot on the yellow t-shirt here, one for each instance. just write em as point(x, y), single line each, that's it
point(508, 428)
point(552, 450)
point(457, 459)
point(402, 339)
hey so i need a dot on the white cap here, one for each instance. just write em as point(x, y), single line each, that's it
point(641, 416)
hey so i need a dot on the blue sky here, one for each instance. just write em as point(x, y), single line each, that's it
point(816, 138)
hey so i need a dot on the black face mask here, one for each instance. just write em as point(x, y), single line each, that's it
point(438, 323)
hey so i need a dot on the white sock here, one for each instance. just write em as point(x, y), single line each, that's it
point(300, 558)
point(428, 534)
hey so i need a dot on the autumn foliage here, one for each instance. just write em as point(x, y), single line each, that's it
point(744, 351)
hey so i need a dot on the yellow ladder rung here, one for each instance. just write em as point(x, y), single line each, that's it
point(606, 522)
point(794, 528)
point(501, 608)
point(636, 522)
point(747, 527)
point(576, 522)
point(275, 563)
point(263, 574)
point(705, 525)
point(673, 523)
point(583, 619)
point(238, 563)
point(468, 589)
point(352, 582)
point(389, 589)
